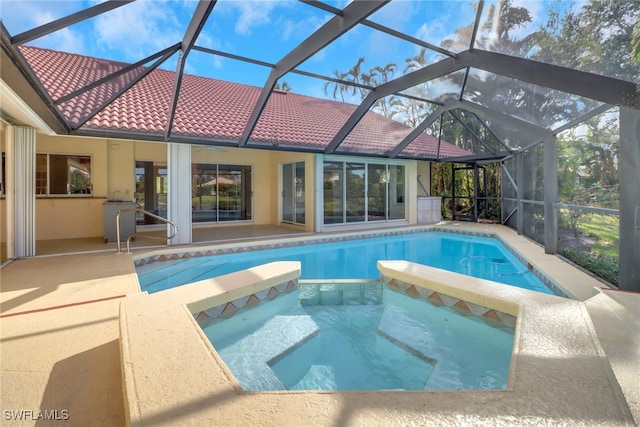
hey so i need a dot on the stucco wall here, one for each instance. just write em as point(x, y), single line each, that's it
point(113, 176)
point(73, 217)
point(264, 176)
point(424, 170)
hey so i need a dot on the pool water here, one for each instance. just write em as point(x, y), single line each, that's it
point(481, 257)
point(360, 337)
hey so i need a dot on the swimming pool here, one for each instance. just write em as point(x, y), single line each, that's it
point(481, 257)
point(360, 336)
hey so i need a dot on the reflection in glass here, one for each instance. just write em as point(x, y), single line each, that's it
point(63, 174)
point(293, 193)
point(396, 192)
point(287, 194)
point(204, 200)
point(234, 192)
point(151, 190)
point(377, 192)
point(220, 193)
point(355, 181)
point(333, 183)
point(361, 192)
point(544, 107)
point(299, 199)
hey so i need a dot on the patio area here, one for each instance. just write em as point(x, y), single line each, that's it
point(257, 125)
point(73, 313)
point(152, 238)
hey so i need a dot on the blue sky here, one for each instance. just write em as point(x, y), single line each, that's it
point(264, 30)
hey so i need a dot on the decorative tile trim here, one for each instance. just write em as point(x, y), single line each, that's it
point(231, 308)
point(491, 317)
point(339, 238)
point(286, 244)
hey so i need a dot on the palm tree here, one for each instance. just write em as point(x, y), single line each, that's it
point(416, 62)
point(338, 88)
point(354, 75)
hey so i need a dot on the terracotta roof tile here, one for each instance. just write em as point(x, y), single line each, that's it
point(213, 109)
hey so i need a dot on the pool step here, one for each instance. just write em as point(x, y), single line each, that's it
point(185, 272)
point(336, 293)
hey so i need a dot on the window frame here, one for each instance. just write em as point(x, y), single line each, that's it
point(217, 165)
point(366, 162)
point(48, 193)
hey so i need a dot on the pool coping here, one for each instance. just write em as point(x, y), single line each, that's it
point(560, 276)
point(173, 375)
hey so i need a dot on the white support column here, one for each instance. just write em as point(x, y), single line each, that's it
point(629, 245)
point(179, 196)
point(21, 191)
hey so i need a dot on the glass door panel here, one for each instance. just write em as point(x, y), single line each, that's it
point(396, 192)
point(355, 183)
point(293, 193)
point(377, 192)
point(287, 192)
point(234, 192)
point(204, 193)
point(151, 190)
point(333, 183)
point(299, 202)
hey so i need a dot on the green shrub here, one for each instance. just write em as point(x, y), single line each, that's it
point(602, 266)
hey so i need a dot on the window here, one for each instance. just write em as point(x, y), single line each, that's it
point(221, 193)
point(63, 174)
point(363, 192)
point(151, 190)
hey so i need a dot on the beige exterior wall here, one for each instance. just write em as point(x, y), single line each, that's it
point(264, 175)
point(73, 217)
point(424, 171)
point(412, 192)
point(113, 176)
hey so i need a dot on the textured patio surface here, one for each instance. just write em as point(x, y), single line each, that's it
point(59, 338)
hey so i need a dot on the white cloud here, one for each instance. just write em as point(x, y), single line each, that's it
point(435, 31)
point(139, 29)
point(300, 29)
point(396, 14)
point(26, 15)
point(252, 13)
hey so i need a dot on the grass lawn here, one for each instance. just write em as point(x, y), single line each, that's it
point(605, 228)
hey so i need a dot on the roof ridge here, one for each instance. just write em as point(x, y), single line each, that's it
point(79, 55)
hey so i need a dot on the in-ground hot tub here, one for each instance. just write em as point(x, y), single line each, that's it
point(361, 335)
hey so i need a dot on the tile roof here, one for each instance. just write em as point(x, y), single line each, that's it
point(212, 109)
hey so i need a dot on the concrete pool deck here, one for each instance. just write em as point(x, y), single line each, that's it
point(59, 350)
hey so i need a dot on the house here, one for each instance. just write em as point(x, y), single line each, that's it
point(290, 182)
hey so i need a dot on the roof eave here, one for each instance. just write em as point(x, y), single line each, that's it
point(19, 76)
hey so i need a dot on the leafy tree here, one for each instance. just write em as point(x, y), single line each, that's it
point(635, 44)
point(598, 37)
point(284, 87)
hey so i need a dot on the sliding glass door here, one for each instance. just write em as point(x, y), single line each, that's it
point(221, 193)
point(357, 192)
point(293, 195)
point(151, 190)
